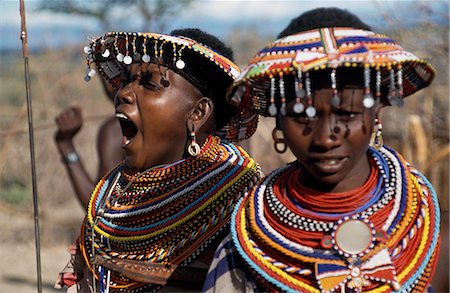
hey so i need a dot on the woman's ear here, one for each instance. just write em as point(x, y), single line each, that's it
point(202, 111)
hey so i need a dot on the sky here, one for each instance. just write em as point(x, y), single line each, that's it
point(49, 30)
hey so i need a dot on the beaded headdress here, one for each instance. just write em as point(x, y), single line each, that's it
point(210, 72)
point(389, 72)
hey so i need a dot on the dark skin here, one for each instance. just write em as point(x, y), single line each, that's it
point(69, 123)
point(335, 159)
point(331, 148)
point(162, 116)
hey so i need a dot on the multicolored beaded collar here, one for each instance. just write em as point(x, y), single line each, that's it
point(206, 69)
point(285, 67)
point(388, 242)
point(166, 215)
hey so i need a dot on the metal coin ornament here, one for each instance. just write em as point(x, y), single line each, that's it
point(136, 56)
point(87, 49)
point(180, 64)
point(146, 58)
point(127, 60)
point(298, 108)
point(106, 53)
point(353, 237)
point(272, 110)
point(89, 74)
point(368, 101)
point(119, 57)
point(396, 100)
point(335, 100)
point(311, 112)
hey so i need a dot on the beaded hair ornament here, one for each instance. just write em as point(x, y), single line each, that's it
point(391, 72)
point(206, 69)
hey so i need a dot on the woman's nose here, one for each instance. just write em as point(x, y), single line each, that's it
point(125, 95)
point(325, 135)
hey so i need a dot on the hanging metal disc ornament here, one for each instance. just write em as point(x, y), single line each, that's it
point(353, 237)
point(146, 58)
point(106, 53)
point(127, 60)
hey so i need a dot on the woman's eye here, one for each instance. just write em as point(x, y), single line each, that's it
point(302, 118)
point(146, 81)
point(346, 115)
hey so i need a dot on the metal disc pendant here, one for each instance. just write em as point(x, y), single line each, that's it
point(119, 57)
point(311, 112)
point(106, 53)
point(136, 56)
point(272, 110)
point(127, 60)
point(146, 58)
point(298, 108)
point(335, 101)
point(87, 49)
point(353, 237)
point(90, 72)
point(396, 100)
point(368, 101)
point(180, 64)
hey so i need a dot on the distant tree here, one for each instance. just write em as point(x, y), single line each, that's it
point(152, 14)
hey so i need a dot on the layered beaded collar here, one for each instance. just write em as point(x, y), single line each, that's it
point(386, 243)
point(167, 215)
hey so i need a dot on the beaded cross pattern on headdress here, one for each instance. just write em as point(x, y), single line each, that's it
point(209, 71)
point(390, 73)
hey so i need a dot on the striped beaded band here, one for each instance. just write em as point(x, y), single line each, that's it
point(389, 72)
point(168, 215)
point(402, 259)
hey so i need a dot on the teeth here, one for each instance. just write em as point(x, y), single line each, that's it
point(330, 161)
point(121, 116)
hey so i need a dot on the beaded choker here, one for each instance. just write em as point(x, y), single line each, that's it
point(167, 215)
point(386, 242)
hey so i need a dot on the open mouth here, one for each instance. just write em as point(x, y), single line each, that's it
point(129, 130)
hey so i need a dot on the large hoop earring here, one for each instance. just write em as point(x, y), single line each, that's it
point(193, 148)
point(376, 140)
point(278, 141)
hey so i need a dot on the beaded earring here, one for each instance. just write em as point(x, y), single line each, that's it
point(376, 140)
point(193, 148)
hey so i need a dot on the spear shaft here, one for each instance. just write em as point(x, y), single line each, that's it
point(24, 38)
